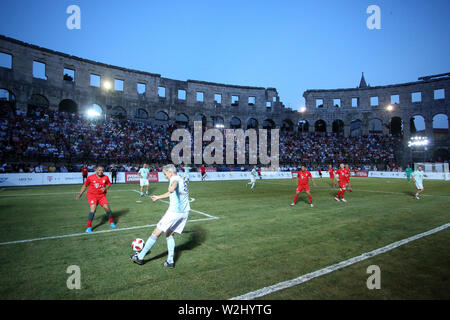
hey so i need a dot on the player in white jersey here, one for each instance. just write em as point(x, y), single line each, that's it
point(417, 177)
point(186, 173)
point(143, 179)
point(173, 220)
point(253, 175)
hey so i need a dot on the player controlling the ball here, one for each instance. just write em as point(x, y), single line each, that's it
point(173, 220)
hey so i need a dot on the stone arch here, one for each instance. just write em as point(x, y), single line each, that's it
point(440, 126)
point(182, 118)
point(287, 125)
point(97, 108)
point(356, 128)
point(201, 117)
point(396, 126)
point(268, 124)
point(235, 123)
point(338, 127)
point(303, 126)
point(118, 112)
point(68, 105)
point(375, 126)
point(218, 121)
point(7, 102)
point(141, 113)
point(252, 123)
point(320, 126)
point(161, 117)
point(37, 102)
point(417, 124)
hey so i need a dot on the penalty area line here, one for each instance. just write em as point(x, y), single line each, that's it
point(302, 279)
point(93, 233)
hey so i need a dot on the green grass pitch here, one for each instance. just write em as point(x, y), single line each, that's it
point(257, 241)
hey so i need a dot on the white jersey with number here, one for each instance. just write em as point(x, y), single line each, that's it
point(144, 172)
point(418, 176)
point(253, 175)
point(179, 199)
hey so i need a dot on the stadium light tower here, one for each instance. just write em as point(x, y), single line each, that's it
point(91, 113)
point(417, 142)
point(107, 85)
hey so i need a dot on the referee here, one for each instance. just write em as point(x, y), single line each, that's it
point(114, 174)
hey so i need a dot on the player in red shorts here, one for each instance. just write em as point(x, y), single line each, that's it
point(341, 174)
point(97, 184)
point(331, 173)
point(84, 171)
point(348, 175)
point(303, 177)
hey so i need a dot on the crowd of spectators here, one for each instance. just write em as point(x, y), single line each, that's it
point(52, 141)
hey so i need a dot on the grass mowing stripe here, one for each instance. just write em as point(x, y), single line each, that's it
point(362, 190)
point(290, 283)
point(50, 194)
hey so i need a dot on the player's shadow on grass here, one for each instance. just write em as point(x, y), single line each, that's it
point(197, 235)
point(410, 193)
point(116, 215)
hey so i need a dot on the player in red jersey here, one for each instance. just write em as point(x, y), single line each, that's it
point(303, 177)
point(348, 175)
point(203, 171)
point(84, 172)
point(341, 174)
point(320, 172)
point(331, 173)
point(98, 185)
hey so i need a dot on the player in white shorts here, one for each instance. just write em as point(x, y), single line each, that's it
point(173, 220)
point(417, 177)
point(253, 175)
point(143, 179)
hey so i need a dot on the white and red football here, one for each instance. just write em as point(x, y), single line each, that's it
point(137, 244)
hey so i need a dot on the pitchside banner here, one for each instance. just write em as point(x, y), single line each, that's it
point(207, 170)
point(357, 173)
point(233, 175)
point(134, 177)
point(36, 179)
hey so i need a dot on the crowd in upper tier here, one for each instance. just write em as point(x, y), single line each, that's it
point(62, 142)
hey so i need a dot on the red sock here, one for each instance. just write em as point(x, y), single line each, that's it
point(310, 198)
point(342, 194)
point(111, 220)
point(339, 193)
point(89, 225)
point(295, 198)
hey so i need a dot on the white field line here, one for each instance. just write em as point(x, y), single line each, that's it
point(93, 233)
point(302, 279)
point(208, 217)
point(192, 200)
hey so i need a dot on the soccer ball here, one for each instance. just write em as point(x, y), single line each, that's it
point(137, 244)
